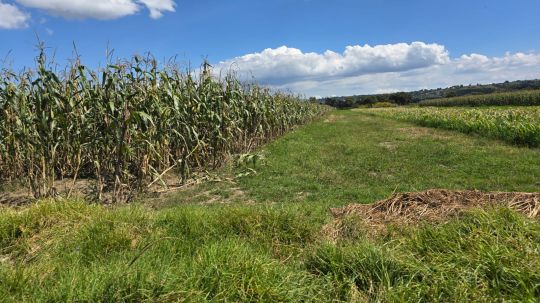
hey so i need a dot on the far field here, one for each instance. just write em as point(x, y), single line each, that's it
point(258, 232)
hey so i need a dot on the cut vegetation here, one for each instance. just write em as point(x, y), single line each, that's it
point(435, 206)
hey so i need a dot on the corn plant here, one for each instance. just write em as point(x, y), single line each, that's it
point(518, 125)
point(128, 124)
point(522, 98)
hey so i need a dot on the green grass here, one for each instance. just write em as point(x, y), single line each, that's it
point(484, 257)
point(74, 252)
point(266, 244)
point(358, 158)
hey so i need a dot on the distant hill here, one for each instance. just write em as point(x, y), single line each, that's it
point(462, 90)
point(424, 94)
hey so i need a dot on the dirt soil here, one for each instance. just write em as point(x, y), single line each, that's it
point(436, 205)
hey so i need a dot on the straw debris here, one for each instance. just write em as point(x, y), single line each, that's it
point(436, 206)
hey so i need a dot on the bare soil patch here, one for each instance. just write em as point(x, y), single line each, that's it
point(169, 187)
point(17, 198)
point(436, 205)
point(19, 195)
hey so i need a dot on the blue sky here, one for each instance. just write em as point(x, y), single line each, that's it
point(457, 42)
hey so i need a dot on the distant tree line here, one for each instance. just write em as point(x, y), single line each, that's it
point(401, 98)
point(404, 98)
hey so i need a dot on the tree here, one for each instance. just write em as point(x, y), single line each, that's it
point(313, 100)
point(401, 98)
point(451, 94)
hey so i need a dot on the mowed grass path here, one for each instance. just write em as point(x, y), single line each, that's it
point(220, 242)
point(351, 157)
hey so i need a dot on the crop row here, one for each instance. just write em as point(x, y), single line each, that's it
point(522, 98)
point(126, 125)
point(520, 125)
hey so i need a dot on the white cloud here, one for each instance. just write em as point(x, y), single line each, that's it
point(157, 7)
point(476, 62)
point(12, 17)
point(283, 65)
point(383, 68)
point(99, 9)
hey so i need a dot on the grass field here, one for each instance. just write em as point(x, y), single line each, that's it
point(260, 237)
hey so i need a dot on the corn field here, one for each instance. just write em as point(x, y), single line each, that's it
point(522, 98)
point(519, 125)
point(127, 125)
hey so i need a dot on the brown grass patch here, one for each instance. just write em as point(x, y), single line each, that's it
point(228, 196)
point(420, 132)
point(436, 205)
point(332, 119)
point(390, 146)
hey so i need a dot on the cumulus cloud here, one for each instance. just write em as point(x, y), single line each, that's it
point(283, 65)
point(476, 62)
point(382, 68)
point(12, 17)
point(100, 9)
